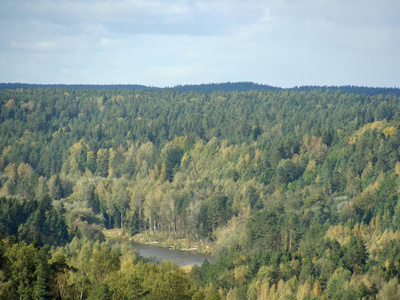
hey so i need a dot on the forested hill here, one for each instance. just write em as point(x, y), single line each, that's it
point(296, 192)
point(208, 88)
point(13, 86)
point(225, 87)
point(352, 89)
point(211, 87)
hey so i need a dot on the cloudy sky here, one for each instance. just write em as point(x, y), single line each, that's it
point(282, 43)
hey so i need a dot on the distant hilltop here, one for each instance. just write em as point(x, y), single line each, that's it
point(210, 87)
point(14, 86)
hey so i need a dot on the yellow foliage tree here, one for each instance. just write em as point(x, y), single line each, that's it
point(389, 131)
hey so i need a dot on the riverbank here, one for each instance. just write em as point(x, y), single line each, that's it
point(161, 239)
point(179, 257)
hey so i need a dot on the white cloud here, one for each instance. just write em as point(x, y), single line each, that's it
point(100, 11)
point(41, 46)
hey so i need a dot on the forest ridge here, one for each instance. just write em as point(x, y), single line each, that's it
point(296, 191)
point(212, 87)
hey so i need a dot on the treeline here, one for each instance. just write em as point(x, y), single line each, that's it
point(297, 190)
point(244, 86)
point(14, 86)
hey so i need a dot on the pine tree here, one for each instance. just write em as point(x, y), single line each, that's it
point(42, 274)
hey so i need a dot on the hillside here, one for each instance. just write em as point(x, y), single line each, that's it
point(295, 189)
point(210, 87)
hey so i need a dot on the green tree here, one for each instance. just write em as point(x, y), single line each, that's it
point(21, 267)
point(42, 274)
point(357, 254)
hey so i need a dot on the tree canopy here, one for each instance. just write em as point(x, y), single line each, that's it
point(295, 191)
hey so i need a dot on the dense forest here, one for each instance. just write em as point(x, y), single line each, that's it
point(244, 86)
point(294, 191)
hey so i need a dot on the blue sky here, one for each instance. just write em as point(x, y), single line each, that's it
point(164, 43)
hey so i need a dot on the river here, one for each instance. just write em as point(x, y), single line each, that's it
point(180, 257)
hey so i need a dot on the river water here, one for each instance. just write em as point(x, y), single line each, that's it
point(181, 258)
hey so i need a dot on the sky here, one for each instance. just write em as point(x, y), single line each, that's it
point(282, 43)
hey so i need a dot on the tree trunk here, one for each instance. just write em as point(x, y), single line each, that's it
point(150, 223)
point(140, 215)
